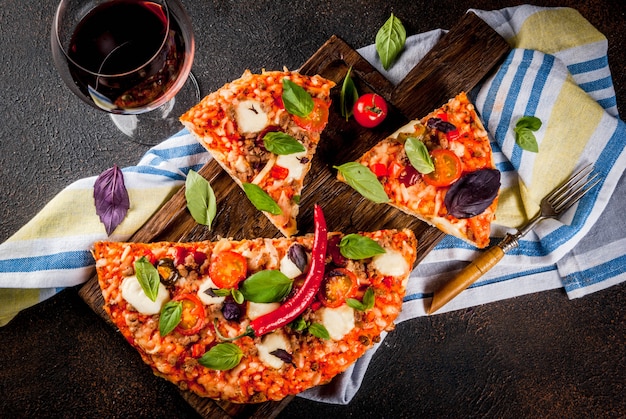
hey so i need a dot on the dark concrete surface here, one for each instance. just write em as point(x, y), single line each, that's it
point(540, 355)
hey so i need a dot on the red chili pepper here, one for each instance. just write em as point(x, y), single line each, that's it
point(293, 307)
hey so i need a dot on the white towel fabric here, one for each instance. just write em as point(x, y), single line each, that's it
point(564, 80)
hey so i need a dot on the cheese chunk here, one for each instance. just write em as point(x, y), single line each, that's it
point(250, 116)
point(259, 309)
point(390, 263)
point(289, 268)
point(269, 344)
point(206, 298)
point(293, 163)
point(338, 321)
point(133, 293)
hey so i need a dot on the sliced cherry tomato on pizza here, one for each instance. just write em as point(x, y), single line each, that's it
point(193, 316)
point(447, 168)
point(370, 110)
point(227, 269)
point(338, 284)
point(317, 119)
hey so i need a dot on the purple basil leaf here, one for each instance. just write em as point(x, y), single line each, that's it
point(111, 198)
point(472, 193)
point(440, 125)
point(283, 355)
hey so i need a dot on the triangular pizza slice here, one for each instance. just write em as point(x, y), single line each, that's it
point(239, 321)
point(440, 169)
point(263, 129)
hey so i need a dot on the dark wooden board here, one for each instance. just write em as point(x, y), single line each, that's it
point(459, 61)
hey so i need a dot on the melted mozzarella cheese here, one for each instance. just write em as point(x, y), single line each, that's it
point(390, 263)
point(269, 344)
point(293, 163)
point(206, 298)
point(133, 293)
point(289, 268)
point(259, 309)
point(250, 116)
point(338, 321)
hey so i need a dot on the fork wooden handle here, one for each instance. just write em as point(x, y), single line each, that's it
point(466, 277)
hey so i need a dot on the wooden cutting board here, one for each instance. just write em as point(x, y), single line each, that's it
point(459, 61)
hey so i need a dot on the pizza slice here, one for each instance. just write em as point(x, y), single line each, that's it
point(263, 129)
point(255, 320)
point(440, 169)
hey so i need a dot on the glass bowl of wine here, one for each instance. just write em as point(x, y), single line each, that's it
point(130, 58)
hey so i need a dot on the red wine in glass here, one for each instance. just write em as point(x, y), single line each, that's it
point(126, 57)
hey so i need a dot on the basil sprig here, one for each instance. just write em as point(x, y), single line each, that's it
point(225, 292)
point(282, 144)
point(524, 136)
point(200, 197)
point(148, 277)
point(418, 155)
point(319, 331)
point(349, 96)
point(170, 317)
point(390, 40)
point(260, 199)
point(268, 286)
point(367, 303)
point(357, 247)
point(361, 179)
point(297, 101)
point(222, 357)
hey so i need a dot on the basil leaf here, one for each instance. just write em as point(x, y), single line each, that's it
point(237, 296)
point(418, 155)
point(361, 179)
point(368, 301)
point(200, 198)
point(148, 277)
point(390, 40)
point(111, 198)
point(472, 193)
point(221, 292)
point(298, 324)
point(267, 286)
point(348, 97)
point(524, 136)
point(297, 101)
point(260, 199)
point(355, 246)
point(170, 317)
point(319, 331)
point(282, 144)
point(223, 356)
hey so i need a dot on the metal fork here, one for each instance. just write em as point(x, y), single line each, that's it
point(552, 206)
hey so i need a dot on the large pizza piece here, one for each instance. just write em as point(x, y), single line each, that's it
point(440, 169)
point(236, 320)
point(263, 129)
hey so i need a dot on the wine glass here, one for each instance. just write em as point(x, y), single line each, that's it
point(130, 58)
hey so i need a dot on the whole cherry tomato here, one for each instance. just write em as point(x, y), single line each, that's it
point(370, 110)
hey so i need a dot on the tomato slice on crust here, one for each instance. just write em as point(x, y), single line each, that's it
point(338, 284)
point(193, 317)
point(227, 269)
point(317, 119)
point(447, 168)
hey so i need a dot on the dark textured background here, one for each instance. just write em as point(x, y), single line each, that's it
point(540, 355)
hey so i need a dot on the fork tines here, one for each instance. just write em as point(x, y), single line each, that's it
point(574, 188)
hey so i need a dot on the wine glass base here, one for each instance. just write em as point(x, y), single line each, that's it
point(153, 127)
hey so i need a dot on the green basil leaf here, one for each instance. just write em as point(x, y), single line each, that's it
point(299, 324)
point(525, 138)
point(361, 179)
point(368, 301)
point(200, 198)
point(348, 97)
point(319, 331)
point(148, 277)
point(260, 199)
point(418, 155)
point(390, 40)
point(531, 122)
point(267, 286)
point(237, 296)
point(170, 317)
point(356, 247)
point(282, 144)
point(222, 292)
point(297, 101)
point(223, 356)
